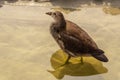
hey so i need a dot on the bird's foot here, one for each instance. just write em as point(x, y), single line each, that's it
point(82, 62)
point(65, 63)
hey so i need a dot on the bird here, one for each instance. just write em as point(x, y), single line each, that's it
point(72, 39)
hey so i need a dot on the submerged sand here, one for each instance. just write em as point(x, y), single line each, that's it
point(26, 45)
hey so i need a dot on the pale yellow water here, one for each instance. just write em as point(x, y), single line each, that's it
point(26, 45)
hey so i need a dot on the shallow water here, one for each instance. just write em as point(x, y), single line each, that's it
point(26, 45)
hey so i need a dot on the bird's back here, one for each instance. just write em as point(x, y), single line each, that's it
point(74, 30)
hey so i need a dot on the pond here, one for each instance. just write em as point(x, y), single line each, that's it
point(27, 47)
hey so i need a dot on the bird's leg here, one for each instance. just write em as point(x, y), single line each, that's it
point(67, 60)
point(81, 60)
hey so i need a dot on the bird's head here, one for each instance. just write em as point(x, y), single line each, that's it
point(57, 15)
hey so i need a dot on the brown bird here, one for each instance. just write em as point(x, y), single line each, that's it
point(72, 39)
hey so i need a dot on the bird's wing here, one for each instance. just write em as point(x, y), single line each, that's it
point(81, 35)
point(77, 40)
point(71, 44)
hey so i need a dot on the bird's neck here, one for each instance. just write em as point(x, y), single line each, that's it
point(61, 24)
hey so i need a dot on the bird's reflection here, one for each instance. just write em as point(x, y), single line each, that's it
point(91, 66)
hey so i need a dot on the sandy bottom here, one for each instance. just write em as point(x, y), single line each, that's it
point(26, 45)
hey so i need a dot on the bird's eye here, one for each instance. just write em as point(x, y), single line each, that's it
point(54, 13)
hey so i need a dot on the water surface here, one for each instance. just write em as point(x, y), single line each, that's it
point(26, 45)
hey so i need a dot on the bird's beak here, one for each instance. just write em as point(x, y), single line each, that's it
point(49, 13)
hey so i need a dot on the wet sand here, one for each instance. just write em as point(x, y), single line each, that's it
point(26, 45)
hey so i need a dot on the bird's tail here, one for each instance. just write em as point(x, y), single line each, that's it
point(100, 56)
